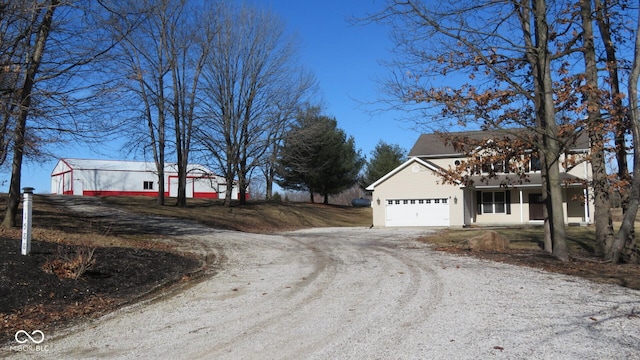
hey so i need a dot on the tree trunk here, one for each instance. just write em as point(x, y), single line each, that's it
point(595, 127)
point(181, 201)
point(547, 124)
point(548, 238)
point(21, 123)
point(269, 184)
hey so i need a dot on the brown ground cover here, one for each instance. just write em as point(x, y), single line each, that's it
point(525, 250)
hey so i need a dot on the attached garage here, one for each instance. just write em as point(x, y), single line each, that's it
point(417, 212)
point(413, 195)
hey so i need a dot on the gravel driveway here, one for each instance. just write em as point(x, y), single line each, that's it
point(356, 293)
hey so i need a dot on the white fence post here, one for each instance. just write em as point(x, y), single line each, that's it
point(26, 220)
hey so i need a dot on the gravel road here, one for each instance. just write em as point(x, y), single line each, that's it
point(357, 293)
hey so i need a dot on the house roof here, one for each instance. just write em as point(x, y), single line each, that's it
point(127, 165)
point(412, 160)
point(436, 145)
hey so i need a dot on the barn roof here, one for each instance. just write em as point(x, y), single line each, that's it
point(127, 165)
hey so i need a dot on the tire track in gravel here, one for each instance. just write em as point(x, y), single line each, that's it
point(414, 302)
point(356, 313)
point(301, 293)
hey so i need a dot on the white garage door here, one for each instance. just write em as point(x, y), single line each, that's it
point(417, 212)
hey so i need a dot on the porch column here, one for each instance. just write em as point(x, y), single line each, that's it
point(586, 205)
point(585, 191)
point(521, 207)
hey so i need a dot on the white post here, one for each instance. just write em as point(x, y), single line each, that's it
point(521, 207)
point(26, 220)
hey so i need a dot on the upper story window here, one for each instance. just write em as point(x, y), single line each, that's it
point(533, 165)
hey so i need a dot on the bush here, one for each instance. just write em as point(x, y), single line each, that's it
point(68, 264)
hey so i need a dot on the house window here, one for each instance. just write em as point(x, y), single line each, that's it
point(496, 167)
point(533, 165)
point(389, 202)
point(494, 202)
point(444, 201)
point(147, 185)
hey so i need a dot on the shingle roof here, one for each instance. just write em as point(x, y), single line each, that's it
point(435, 145)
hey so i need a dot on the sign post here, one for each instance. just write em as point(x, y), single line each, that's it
point(26, 220)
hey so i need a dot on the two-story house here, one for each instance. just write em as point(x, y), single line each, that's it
point(415, 193)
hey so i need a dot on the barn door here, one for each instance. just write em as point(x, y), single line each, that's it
point(78, 187)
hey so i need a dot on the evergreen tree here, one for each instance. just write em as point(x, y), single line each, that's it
point(384, 158)
point(318, 157)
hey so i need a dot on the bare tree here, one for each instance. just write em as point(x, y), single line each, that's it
point(626, 228)
point(145, 62)
point(188, 48)
point(35, 53)
point(251, 80)
point(596, 128)
point(164, 59)
point(604, 16)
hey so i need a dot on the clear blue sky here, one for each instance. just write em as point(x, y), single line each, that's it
point(345, 60)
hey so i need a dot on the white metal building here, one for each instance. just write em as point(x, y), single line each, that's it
point(134, 178)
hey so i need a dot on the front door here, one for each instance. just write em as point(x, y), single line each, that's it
point(536, 207)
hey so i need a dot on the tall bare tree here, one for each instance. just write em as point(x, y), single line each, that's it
point(624, 235)
point(605, 17)
point(250, 75)
point(43, 23)
point(146, 63)
point(188, 48)
point(596, 128)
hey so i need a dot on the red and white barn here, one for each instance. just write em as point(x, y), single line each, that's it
point(133, 178)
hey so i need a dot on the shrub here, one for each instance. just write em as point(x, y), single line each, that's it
point(69, 264)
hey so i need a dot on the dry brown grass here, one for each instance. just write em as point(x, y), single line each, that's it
point(254, 217)
point(580, 238)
